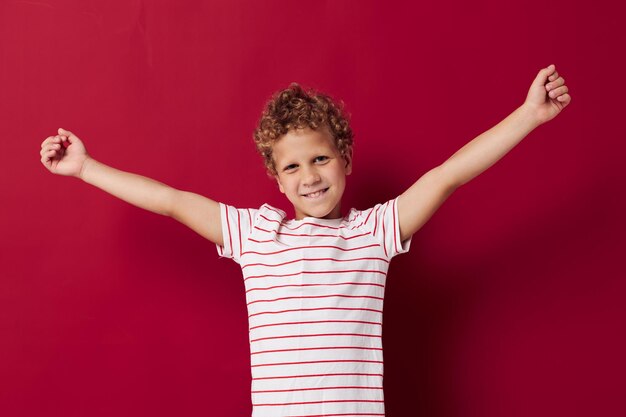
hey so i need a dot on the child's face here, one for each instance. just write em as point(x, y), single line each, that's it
point(307, 160)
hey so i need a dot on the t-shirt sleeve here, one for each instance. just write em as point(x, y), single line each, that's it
point(384, 224)
point(237, 226)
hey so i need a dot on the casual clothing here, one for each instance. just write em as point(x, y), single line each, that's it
point(314, 291)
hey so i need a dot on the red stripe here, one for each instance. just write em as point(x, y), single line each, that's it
point(376, 219)
point(314, 285)
point(383, 222)
point(314, 389)
point(315, 309)
point(339, 415)
point(249, 218)
point(313, 247)
point(280, 213)
point(308, 235)
point(281, 242)
point(315, 272)
point(368, 216)
point(316, 322)
point(395, 245)
point(320, 402)
point(316, 348)
point(260, 241)
point(359, 214)
point(316, 335)
point(318, 259)
point(315, 296)
point(239, 230)
point(321, 226)
point(229, 235)
point(306, 362)
point(299, 226)
point(313, 376)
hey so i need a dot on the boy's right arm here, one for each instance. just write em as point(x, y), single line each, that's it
point(199, 213)
point(65, 154)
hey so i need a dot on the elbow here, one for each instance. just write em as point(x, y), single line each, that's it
point(446, 178)
point(168, 202)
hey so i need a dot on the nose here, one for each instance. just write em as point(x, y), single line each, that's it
point(310, 176)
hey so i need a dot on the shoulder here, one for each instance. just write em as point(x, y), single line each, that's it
point(370, 217)
point(272, 213)
point(269, 218)
point(248, 218)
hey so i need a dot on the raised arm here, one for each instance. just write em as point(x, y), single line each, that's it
point(137, 190)
point(65, 154)
point(199, 213)
point(543, 102)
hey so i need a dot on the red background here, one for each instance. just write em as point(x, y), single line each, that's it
point(511, 300)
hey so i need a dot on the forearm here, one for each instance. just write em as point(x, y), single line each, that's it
point(487, 148)
point(135, 189)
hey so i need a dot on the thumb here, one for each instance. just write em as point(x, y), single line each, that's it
point(543, 75)
point(64, 132)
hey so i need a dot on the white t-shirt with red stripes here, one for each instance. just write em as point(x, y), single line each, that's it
point(314, 291)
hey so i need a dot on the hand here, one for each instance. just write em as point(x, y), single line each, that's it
point(64, 154)
point(545, 101)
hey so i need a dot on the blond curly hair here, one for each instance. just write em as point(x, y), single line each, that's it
point(295, 108)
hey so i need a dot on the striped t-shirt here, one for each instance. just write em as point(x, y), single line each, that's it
point(314, 291)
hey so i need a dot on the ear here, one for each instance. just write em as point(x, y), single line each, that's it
point(348, 161)
point(280, 186)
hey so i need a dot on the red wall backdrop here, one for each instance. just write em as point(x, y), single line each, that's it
point(511, 300)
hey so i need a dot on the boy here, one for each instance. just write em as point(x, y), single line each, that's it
point(314, 284)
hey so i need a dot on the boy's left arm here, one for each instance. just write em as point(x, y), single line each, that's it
point(420, 201)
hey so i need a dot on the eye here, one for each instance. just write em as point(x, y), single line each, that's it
point(322, 157)
point(288, 167)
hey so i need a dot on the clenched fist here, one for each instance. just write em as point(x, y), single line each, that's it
point(548, 95)
point(64, 154)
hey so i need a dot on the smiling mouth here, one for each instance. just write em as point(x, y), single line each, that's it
point(316, 194)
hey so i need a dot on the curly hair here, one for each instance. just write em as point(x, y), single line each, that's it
point(295, 108)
